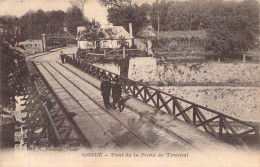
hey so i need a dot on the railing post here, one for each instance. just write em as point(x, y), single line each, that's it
point(220, 127)
point(257, 134)
point(134, 89)
point(145, 93)
point(194, 115)
point(173, 108)
point(158, 100)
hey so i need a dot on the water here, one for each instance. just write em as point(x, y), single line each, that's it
point(238, 101)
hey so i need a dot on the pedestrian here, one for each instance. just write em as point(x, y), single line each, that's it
point(105, 88)
point(62, 57)
point(66, 58)
point(116, 93)
point(73, 55)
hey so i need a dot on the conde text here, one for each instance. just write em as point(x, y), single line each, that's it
point(142, 155)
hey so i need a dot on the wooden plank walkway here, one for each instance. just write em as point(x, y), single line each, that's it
point(139, 126)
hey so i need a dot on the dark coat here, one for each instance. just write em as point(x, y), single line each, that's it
point(116, 90)
point(105, 88)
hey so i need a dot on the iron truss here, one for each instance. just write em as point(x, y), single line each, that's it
point(47, 122)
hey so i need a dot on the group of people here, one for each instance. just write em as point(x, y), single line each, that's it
point(106, 88)
point(64, 58)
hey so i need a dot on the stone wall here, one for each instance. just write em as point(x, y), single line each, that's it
point(32, 46)
point(149, 70)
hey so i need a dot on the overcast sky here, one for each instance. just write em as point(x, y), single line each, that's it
point(19, 7)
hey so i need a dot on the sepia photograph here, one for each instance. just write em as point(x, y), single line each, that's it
point(130, 83)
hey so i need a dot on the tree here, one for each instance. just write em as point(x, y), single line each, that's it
point(55, 21)
point(110, 33)
point(9, 24)
point(92, 32)
point(79, 3)
point(235, 30)
point(39, 22)
point(74, 18)
point(116, 3)
point(123, 15)
point(13, 73)
point(25, 24)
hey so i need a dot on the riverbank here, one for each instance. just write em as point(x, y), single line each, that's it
point(150, 70)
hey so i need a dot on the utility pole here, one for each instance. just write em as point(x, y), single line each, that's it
point(158, 18)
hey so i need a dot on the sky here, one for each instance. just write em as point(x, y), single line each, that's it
point(93, 10)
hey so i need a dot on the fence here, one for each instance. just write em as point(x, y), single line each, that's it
point(215, 123)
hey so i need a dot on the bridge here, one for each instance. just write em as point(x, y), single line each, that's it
point(64, 108)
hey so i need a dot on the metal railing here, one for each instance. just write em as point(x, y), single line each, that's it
point(38, 121)
point(46, 122)
point(217, 124)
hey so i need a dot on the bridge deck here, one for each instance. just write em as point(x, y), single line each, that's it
point(139, 126)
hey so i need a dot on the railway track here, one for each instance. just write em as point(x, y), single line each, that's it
point(136, 135)
point(56, 71)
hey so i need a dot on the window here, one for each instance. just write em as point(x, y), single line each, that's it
point(105, 44)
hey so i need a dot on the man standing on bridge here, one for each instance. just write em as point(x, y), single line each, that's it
point(62, 57)
point(116, 93)
point(105, 88)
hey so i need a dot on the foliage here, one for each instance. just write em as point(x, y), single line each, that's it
point(116, 3)
point(174, 15)
point(79, 3)
point(8, 23)
point(232, 27)
point(31, 24)
point(235, 30)
point(129, 14)
point(13, 73)
point(92, 32)
point(74, 18)
point(55, 21)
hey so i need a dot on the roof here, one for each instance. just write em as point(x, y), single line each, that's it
point(110, 32)
point(116, 32)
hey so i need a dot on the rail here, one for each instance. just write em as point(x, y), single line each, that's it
point(217, 124)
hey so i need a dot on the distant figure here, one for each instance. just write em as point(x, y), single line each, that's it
point(116, 93)
point(66, 58)
point(73, 55)
point(62, 57)
point(105, 88)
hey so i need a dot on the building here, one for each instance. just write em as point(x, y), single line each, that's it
point(43, 42)
point(32, 46)
point(113, 37)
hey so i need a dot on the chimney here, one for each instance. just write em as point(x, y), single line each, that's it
point(130, 29)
